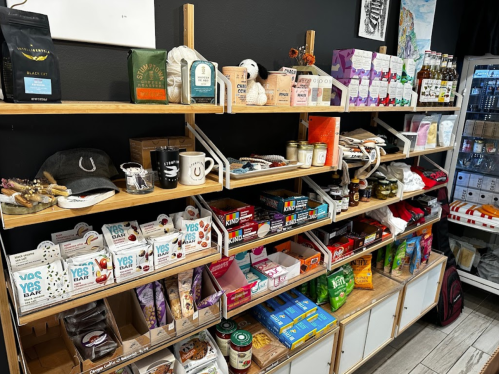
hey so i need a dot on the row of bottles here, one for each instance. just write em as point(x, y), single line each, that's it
point(436, 82)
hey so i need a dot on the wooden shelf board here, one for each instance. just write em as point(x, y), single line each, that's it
point(118, 201)
point(408, 195)
point(361, 299)
point(193, 260)
point(430, 151)
point(438, 109)
point(283, 235)
point(413, 228)
point(238, 183)
point(364, 207)
point(106, 107)
point(406, 275)
point(295, 282)
point(372, 248)
point(286, 109)
point(291, 355)
point(380, 109)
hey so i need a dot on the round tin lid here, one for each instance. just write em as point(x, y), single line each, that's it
point(226, 327)
point(241, 338)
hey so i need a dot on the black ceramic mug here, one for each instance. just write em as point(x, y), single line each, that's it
point(164, 161)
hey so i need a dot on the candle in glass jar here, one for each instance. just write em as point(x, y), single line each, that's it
point(320, 152)
point(292, 150)
point(305, 155)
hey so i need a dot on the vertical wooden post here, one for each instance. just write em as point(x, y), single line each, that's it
point(189, 42)
point(7, 328)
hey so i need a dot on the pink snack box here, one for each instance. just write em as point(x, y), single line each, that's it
point(299, 96)
point(276, 273)
point(232, 280)
point(351, 63)
point(353, 86)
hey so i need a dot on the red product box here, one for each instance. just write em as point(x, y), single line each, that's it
point(243, 233)
point(232, 213)
point(340, 249)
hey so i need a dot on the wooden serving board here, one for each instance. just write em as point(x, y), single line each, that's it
point(18, 210)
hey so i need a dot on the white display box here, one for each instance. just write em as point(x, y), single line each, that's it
point(463, 178)
point(489, 184)
point(292, 265)
point(461, 193)
point(476, 181)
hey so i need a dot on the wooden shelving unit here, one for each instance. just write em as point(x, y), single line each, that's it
point(286, 109)
point(408, 195)
point(275, 237)
point(412, 229)
point(118, 201)
point(106, 107)
point(364, 207)
point(370, 249)
point(295, 282)
point(193, 260)
point(406, 276)
point(238, 183)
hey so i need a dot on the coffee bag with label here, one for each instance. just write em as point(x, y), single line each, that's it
point(147, 76)
point(30, 67)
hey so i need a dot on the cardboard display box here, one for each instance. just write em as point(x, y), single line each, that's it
point(342, 248)
point(277, 275)
point(277, 88)
point(308, 257)
point(231, 212)
point(160, 362)
point(290, 264)
point(208, 288)
point(47, 348)
point(243, 233)
point(140, 148)
point(128, 321)
point(370, 234)
point(166, 332)
point(327, 234)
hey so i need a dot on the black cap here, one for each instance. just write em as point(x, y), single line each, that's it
point(83, 170)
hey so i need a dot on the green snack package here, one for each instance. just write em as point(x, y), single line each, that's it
point(304, 289)
point(349, 278)
point(313, 289)
point(321, 290)
point(380, 258)
point(337, 287)
point(398, 259)
point(389, 252)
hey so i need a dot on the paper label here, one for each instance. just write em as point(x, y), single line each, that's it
point(38, 86)
point(76, 233)
point(45, 253)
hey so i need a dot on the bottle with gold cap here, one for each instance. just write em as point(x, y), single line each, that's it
point(336, 179)
point(354, 188)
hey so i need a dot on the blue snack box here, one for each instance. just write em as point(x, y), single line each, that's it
point(301, 301)
point(322, 321)
point(292, 311)
point(298, 334)
point(276, 321)
point(284, 201)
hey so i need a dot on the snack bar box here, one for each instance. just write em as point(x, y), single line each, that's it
point(243, 233)
point(284, 201)
point(232, 213)
point(309, 258)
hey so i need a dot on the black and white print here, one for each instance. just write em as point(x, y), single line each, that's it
point(373, 19)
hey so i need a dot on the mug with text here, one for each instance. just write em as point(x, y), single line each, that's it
point(192, 168)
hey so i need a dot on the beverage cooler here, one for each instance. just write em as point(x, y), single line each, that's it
point(474, 170)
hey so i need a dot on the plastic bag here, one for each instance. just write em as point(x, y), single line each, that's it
point(337, 287)
point(411, 245)
point(90, 316)
point(145, 294)
point(389, 253)
point(386, 217)
point(398, 258)
point(488, 267)
point(416, 259)
point(380, 258)
point(321, 290)
point(95, 344)
point(349, 278)
point(173, 296)
point(210, 300)
point(159, 304)
point(362, 272)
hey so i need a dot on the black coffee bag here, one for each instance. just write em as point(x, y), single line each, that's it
point(30, 68)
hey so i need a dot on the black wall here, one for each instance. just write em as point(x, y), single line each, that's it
point(227, 32)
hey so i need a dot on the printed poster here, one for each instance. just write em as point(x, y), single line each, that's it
point(415, 29)
point(373, 19)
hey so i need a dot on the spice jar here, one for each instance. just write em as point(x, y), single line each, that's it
point(292, 150)
point(394, 187)
point(354, 192)
point(305, 155)
point(224, 331)
point(320, 152)
point(383, 189)
point(240, 352)
point(345, 199)
point(337, 199)
point(478, 146)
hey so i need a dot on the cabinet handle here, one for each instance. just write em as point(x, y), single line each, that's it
point(342, 352)
point(405, 307)
point(329, 363)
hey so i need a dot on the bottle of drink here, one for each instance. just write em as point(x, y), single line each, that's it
point(437, 79)
point(444, 81)
point(423, 81)
point(455, 76)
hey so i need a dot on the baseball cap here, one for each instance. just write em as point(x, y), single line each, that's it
point(82, 170)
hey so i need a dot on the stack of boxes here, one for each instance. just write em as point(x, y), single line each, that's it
point(293, 318)
point(373, 79)
point(476, 188)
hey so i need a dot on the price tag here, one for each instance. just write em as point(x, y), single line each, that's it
point(195, 315)
point(171, 326)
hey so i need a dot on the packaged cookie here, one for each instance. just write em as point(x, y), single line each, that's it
point(122, 235)
point(145, 295)
point(185, 293)
point(160, 304)
point(171, 285)
point(196, 351)
point(196, 283)
point(95, 344)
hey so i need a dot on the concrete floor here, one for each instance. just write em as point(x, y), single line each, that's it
point(460, 348)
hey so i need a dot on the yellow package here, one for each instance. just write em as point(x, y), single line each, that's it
point(424, 231)
point(362, 272)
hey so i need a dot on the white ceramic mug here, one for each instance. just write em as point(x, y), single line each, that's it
point(192, 168)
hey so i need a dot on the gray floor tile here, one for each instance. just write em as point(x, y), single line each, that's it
point(375, 362)
point(471, 362)
point(408, 334)
point(410, 355)
point(449, 328)
point(489, 340)
point(421, 369)
point(489, 308)
point(448, 352)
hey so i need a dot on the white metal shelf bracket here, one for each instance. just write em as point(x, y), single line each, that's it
point(322, 248)
point(407, 142)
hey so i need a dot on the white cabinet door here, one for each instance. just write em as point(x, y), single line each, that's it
point(413, 301)
point(284, 369)
point(354, 338)
point(381, 324)
point(317, 360)
point(431, 286)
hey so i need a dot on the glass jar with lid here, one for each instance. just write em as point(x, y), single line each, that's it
point(345, 199)
point(383, 189)
point(292, 150)
point(394, 187)
point(224, 331)
point(241, 343)
point(354, 188)
point(320, 152)
point(305, 155)
point(335, 193)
